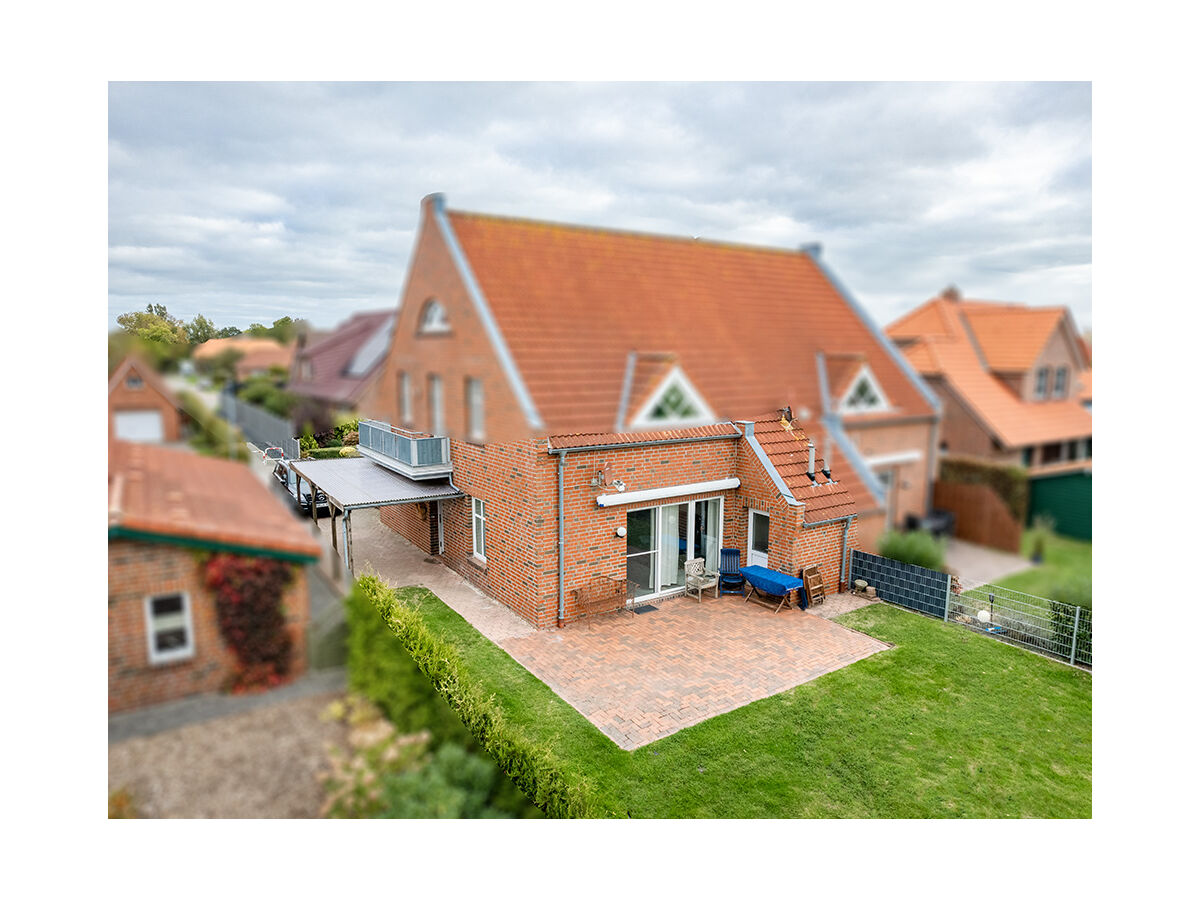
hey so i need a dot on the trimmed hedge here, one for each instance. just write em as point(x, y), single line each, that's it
point(329, 453)
point(533, 767)
point(213, 435)
point(1011, 483)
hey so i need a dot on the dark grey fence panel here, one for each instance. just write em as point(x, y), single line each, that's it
point(901, 583)
point(260, 427)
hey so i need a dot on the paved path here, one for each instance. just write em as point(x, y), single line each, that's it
point(207, 707)
point(976, 564)
point(637, 677)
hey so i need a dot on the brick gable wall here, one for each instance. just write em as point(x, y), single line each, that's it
point(126, 399)
point(137, 570)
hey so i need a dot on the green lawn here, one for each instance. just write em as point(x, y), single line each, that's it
point(1065, 558)
point(948, 723)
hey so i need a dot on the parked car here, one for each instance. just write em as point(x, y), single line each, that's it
point(287, 479)
point(272, 453)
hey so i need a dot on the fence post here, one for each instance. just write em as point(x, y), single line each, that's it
point(850, 571)
point(1075, 635)
point(946, 614)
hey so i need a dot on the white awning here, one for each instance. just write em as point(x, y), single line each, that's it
point(675, 490)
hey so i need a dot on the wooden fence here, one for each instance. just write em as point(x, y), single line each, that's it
point(981, 516)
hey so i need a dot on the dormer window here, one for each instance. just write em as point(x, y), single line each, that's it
point(1039, 387)
point(864, 394)
point(1060, 382)
point(674, 403)
point(433, 318)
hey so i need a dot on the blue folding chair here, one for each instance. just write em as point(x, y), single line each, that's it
point(731, 576)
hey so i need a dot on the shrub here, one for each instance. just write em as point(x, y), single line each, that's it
point(1011, 483)
point(1065, 596)
point(1042, 530)
point(919, 548)
point(329, 453)
point(251, 617)
point(333, 442)
point(534, 767)
point(212, 435)
point(350, 438)
point(308, 442)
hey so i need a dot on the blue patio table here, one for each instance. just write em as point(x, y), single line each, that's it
point(767, 582)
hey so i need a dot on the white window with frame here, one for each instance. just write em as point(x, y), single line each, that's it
point(1039, 386)
point(474, 406)
point(1060, 382)
point(864, 394)
point(133, 381)
point(887, 478)
point(437, 418)
point(433, 318)
point(169, 633)
point(478, 529)
point(660, 539)
point(675, 403)
point(404, 388)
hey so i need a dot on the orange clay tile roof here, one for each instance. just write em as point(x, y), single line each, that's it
point(150, 378)
point(1085, 390)
point(174, 493)
point(788, 453)
point(244, 345)
point(265, 357)
point(599, 439)
point(1011, 336)
point(745, 322)
point(949, 353)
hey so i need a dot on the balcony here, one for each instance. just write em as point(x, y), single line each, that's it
point(414, 454)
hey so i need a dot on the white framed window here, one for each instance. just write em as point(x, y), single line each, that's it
point(437, 418)
point(433, 318)
point(404, 389)
point(1039, 386)
point(660, 539)
point(887, 478)
point(1060, 382)
point(675, 402)
point(864, 394)
point(169, 633)
point(133, 381)
point(478, 529)
point(474, 406)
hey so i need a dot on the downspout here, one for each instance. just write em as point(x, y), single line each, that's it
point(562, 594)
point(845, 520)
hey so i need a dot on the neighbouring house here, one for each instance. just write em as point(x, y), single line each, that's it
point(1016, 388)
point(168, 509)
point(655, 397)
point(257, 355)
point(331, 372)
point(140, 405)
point(1014, 381)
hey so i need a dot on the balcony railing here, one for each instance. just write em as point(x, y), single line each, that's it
point(411, 453)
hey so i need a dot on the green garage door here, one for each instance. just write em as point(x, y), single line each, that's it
point(1067, 499)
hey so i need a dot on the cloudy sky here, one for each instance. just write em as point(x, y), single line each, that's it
point(247, 202)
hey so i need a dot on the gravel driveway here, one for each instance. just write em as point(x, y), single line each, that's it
point(263, 763)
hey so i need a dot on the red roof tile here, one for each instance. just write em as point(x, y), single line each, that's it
point(178, 494)
point(745, 322)
point(331, 356)
point(788, 453)
point(599, 439)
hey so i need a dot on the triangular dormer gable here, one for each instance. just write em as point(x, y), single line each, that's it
point(864, 395)
point(674, 403)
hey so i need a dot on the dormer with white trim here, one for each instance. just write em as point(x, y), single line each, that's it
point(864, 395)
point(675, 403)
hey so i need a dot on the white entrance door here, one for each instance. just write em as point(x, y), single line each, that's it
point(142, 425)
point(760, 529)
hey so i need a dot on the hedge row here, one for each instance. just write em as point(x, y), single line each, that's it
point(329, 453)
point(212, 435)
point(533, 767)
point(1011, 483)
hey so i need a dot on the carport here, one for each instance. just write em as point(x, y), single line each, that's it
point(359, 483)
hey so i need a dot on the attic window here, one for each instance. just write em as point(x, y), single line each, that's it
point(864, 394)
point(675, 402)
point(133, 381)
point(433, 319)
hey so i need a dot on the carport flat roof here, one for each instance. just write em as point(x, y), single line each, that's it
point(359, 483)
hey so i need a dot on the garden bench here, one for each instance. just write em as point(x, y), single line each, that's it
point(602, 595)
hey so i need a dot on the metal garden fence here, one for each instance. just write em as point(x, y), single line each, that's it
point(1024, 620)
point(260, 427)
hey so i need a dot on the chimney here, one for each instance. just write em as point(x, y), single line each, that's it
point(951, 293)
point(812, 462)
point(813, 249)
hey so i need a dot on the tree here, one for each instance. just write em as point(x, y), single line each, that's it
point(200, 330)
point(229, 331)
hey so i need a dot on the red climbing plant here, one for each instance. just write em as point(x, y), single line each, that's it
point(249, 593)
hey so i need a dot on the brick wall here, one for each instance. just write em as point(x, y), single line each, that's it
point(415, 522)
point(125, 399)
point(137, 570)
point(912, 480)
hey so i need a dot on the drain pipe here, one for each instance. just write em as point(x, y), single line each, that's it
point(562, 594)
point(845, 520)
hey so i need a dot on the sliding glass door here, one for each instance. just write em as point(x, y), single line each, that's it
point(661, 539)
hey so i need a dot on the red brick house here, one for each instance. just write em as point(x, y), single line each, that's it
point(335, 370)
point(1015, 381)
point(653, 397)
point(140, 405)
point(167, 507)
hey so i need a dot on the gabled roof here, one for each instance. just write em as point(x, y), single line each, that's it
point(950, 351)
point(161, 493)
point(788, 453)
point(242, 343)
point(150, 378)
point(1011, 337)
point(745, 323)
point(343, 363)
point(279, 355)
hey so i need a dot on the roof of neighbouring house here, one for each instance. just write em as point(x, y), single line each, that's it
point(277, 355)
point(942, 338)
point(745, 323)
point(788, 452)
point(150, 378)
point(242, 343)
point(344, 361)
point(161, 493)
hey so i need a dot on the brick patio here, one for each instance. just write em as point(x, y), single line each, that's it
point(639, 678)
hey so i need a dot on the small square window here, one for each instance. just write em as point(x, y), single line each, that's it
point(133, 381)
point(169, 628)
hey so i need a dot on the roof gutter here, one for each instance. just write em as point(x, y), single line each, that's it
point(118, 532)
point(652, 443)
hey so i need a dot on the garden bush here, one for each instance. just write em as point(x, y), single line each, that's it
point(211, 435)
point(250, 613)
point(919, 548)
point(534, 767)
point(1065, 596)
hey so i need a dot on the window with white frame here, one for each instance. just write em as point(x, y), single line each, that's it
point(437, 418)
point(675, 402)
point(864, 394)
point(169, 628)
point(478, 529)
point(433, 318)
point(1039, 387)
point(1060, 382)
point(404, 389)
point(474, 406)
point(133, 381)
